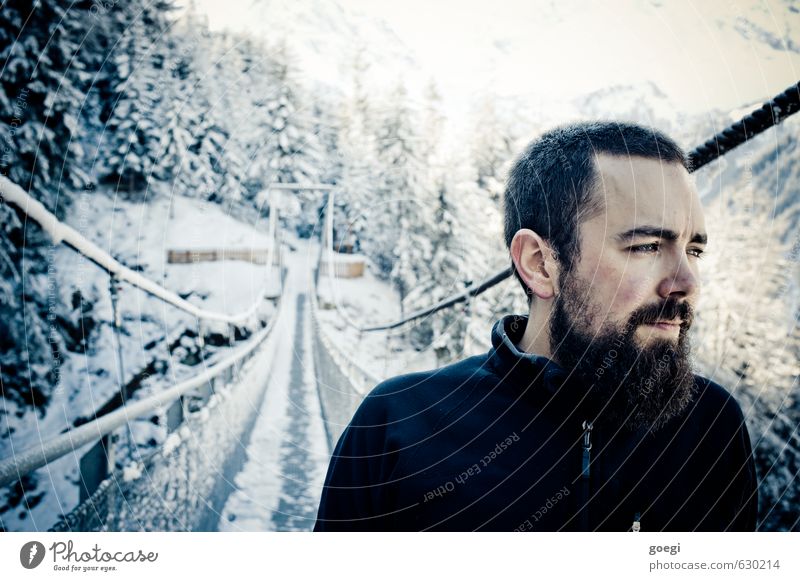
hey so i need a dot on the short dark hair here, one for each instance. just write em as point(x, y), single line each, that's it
point(550, 186)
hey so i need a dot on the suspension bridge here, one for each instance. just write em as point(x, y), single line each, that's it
point(250, 436)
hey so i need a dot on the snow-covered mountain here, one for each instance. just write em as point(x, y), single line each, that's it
point(325, 38)
point(699, 55)
point(676, 64)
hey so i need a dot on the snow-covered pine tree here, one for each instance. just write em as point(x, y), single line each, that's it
point(134, 129)
point(491, 148)
point(400, 230)
point(241, 70)
point(228, 82)
point(480, 214)
point(432, 129)
point(177, 162)
point(285, 149)
point(40, 99)
point(446, 274)
point(746, 336)
point(479, 224)
point(357, 154)
point(195, 143)
point(326, 126)
point(748, 329)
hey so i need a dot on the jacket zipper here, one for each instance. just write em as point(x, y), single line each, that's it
point(587, 449)
point(585, 473)
point(587, 458)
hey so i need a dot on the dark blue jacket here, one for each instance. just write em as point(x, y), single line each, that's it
point(493, 443)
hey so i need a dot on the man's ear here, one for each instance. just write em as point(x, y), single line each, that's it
point(535, 262)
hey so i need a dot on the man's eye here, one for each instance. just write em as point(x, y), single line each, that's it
point(645, 248)
point(655, 246)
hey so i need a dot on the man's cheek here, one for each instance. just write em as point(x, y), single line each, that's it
point(636, 293)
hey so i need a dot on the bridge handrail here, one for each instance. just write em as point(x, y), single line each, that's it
point(366, 380)
point(35, 457)
point(62, 233)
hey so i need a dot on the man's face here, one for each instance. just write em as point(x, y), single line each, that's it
point(638, 267)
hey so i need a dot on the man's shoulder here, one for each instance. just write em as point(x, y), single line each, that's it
point(464, 370)
point(712, 398)
point(423, 391)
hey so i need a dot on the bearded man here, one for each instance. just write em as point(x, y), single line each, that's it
point(585, 414)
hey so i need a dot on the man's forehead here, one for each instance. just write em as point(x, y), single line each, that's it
point(637, 190)
point(632, 177)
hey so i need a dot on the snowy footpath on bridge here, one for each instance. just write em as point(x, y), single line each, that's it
point(279, 487)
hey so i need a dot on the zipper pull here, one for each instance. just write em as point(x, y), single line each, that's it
point(637, 525)
point(587, 447)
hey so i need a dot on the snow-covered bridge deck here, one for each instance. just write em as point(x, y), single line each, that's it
point(280, 484)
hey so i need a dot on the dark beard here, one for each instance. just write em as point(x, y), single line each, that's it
point(628, 385)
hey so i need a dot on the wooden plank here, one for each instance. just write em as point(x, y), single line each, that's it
point(254, 255)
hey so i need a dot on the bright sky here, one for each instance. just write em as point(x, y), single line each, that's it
point(559, 49)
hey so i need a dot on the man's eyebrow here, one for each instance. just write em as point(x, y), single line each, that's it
point(657, 232)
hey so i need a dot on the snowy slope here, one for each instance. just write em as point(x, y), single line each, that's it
point(138, 235)
point(348, 304)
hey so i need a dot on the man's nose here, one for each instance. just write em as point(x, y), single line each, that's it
point(680, 279)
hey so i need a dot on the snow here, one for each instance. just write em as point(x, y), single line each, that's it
point(62, 233)
point(178, 486)
point(36, 210)
point(271, 493)
point(138, 235)
point(489, 48)
point(132, 471)
point(268, 495)
point(342, 258)
point(171, 443)
point(347, 305)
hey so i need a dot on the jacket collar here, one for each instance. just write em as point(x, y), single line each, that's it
point(511, 363)
point(552, 384)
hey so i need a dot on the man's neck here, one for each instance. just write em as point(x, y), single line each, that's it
point(536, 338)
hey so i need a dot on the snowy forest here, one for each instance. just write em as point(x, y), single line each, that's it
point(115, 115)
